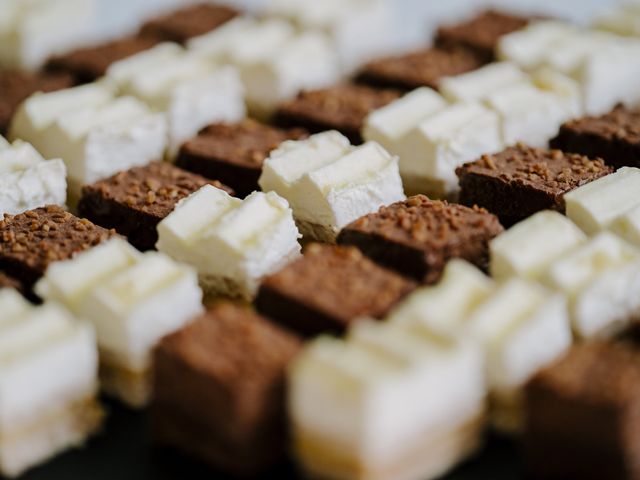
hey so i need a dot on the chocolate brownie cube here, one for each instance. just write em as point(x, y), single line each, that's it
point(521, 180)
point(192, 21)
point(423, 68)
point(342, 107)
point(90, 63)
point(481, 33)
point(614, 137)
point(583, 415)
point(219, 390)
point(234, 153)
point(328, 288)
point(134, 201)
point(417, 237)
point(32, 240)
point(17, 85)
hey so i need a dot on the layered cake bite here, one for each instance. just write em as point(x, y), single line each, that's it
point(614, 136)
point(481, 33)
point(88, 64)
point(133, 300)
point(219, 390)
point(582, 415)
point(232, 243)
point(522, 180)
point(390, 401)
point(234, 152)
point(342, 107)
point(17, 85)
point(418, 236)
point(329, 183)
point(27, 180)
point(191, 91)
point(95, 133)
point(134, 201)
point(422, 68)
point(188, 22)
point(329, 288)
point(49, 383)
point(32, 240)
point(31, 33)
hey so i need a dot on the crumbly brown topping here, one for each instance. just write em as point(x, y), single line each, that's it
point(247, 143)
point(549, 170)
point(235, 346)
point(343, 106)
point(422, 68)
point(481, 32)
point(17, 85)
point(429, 225)
point(341, 281)
point(183, 24)
point(621, 124)
point(38, 237)
point(154, 188)
point(594, 371)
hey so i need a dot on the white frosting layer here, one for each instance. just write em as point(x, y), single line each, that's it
point(250, 238)
point(31, 31)
point(529, 247)
point(29, 181)
point(192, 91)
point(479, 84)
point(132, 299)
point(377, 393)
point(457, 134)
point(34, 342)
point(330, 183)
point(596, 206)
point(94, 133)
point(602, 281)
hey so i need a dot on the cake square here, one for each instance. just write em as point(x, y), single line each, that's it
point(521, 180)
point(342, 107)
point(329, 183)
point(423, 68)
point(133, 300)
point(417, 237)
point(32, 240)
point(252, 238)
point(134, 201)
point(49, 388)
point(234, 152)
point(328, 289)
point(16, 85)
point(481, 33)
point(220, 390)
point(614, 137)
point(90, 63)
point(188, 22)
point(582, 415)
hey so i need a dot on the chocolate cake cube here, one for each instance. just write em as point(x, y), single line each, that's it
point(423, 68)
point(582, 418)
point(16, 85)
point(342, 107)
point(30, 241)
point(328, 288)
point(481, 33)
point(615, 137)
point(234, 152)
point(90, 63)
point(219, 390)
point(134, 201)
point(521, 180)
point(193, 21)
point(417, 237)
